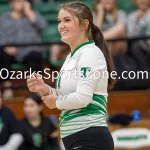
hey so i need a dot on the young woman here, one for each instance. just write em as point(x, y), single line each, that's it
point(10, 132)
point(139, 20)
point(108, 18)
point(36, 128)
point(82, 96)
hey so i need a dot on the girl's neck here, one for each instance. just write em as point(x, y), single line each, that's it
point(35, 121)
point(74, 45)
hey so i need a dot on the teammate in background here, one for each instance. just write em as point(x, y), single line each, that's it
point(83, 100)
point(36, 128)
point(10, 133)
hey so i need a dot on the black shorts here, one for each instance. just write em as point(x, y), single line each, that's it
point(93, 138)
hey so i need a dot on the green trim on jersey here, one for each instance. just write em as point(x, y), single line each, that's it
point(98, 108)
point(58, 80)
point(83, 44)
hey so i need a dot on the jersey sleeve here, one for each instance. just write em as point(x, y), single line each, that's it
point(90, 65)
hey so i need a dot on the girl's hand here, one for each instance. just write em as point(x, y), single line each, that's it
point(36, 84)
point(11, 50)
point(50, 100)
point(27, 7)
point(100, 8)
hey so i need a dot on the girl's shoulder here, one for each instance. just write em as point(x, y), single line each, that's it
point(90, 49)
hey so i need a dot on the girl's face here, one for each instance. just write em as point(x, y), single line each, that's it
point(68, 27)
point(31, 108)
point(143, 4)
point(108, 4)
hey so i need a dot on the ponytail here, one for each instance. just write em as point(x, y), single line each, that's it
point(100, 42)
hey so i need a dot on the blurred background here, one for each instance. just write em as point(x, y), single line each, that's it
point(29, 39)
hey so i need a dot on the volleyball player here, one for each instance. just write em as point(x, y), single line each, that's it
point(83, 100)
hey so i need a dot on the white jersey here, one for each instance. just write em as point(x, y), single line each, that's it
point(82, 89)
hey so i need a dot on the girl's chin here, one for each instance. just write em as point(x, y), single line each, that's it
point(65, 39)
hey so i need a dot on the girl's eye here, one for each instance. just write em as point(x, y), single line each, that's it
point(67, 20)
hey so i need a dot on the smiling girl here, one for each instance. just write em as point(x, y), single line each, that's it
point(83, 100)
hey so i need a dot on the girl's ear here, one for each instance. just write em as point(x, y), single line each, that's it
point(85, 25)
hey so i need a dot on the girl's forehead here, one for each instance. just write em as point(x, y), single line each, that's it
point(64, 13)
